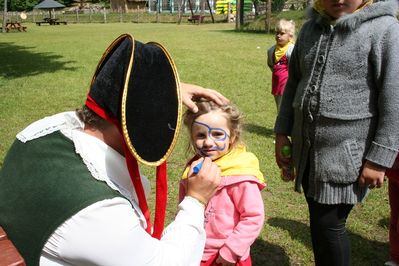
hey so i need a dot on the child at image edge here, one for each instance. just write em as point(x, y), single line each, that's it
point(278, 57)
point(340, 112)
point(235, 214)
point(393, 188)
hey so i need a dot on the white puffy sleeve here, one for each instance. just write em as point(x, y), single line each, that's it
point(109, 232)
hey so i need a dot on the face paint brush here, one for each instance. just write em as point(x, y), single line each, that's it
point(197, 168)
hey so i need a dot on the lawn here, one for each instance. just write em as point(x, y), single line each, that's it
point(48, 69)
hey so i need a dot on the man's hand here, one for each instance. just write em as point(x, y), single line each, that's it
point(372, 175)
point(203, 185)
point(190, 90)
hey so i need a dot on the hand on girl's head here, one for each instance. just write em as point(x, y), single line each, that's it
point(190, 91)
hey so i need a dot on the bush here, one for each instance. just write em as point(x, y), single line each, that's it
point(278, 5)
point(258, 24)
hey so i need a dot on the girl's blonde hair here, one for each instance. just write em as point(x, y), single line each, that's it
point(287, 26)
point(232, 114)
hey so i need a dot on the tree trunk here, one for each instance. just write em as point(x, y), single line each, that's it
point(268, 16)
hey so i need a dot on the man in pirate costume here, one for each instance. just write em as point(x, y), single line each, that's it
point(70, 188)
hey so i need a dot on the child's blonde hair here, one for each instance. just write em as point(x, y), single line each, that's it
point(287, 26)
point(232, 114)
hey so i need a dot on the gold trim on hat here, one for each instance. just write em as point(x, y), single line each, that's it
point(123, 111)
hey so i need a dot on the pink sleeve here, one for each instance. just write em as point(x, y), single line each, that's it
point(249, 203)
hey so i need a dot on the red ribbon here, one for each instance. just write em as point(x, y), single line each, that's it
point(161, 200)
point(161, 193)
point(132, 166)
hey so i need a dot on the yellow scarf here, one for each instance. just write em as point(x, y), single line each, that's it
point(318, 6)
point(280, 51)
point(237, 162)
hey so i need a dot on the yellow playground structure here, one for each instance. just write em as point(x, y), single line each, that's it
point(223, 5)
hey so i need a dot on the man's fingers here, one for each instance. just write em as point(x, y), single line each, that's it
point(217, 97)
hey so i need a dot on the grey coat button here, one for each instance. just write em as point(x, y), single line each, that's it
point(321, 59)
point(313, 88)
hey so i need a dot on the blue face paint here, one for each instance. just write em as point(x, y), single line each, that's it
point(219, 148)
point(216, 134)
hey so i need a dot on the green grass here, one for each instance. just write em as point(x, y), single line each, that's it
point(48, 69)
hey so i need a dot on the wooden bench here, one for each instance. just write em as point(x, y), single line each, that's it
point(196, 19)
point(59, 22)
point(51, 21)
point(39, 23)
point(9, 255)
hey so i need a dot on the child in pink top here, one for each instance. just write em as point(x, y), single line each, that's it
point(393, 187)
point(235, 214)
point(278, 57)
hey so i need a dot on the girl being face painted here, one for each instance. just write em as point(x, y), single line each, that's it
point(210, 134)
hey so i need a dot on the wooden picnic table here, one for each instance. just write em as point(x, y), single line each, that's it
point(15, 26)
point(51, 21)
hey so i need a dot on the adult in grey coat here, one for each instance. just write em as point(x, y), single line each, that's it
point(340, 108)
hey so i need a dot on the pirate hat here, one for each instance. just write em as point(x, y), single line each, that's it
point(136, 87)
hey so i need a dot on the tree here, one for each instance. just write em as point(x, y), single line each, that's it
point(268, 16)
point(19, 5)
point(277, 5)
point(66, 2)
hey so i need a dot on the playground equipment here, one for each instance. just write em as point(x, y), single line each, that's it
point(195, 17)
point(222, 6)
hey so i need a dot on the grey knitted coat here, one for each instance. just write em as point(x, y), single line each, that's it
point(341, 102)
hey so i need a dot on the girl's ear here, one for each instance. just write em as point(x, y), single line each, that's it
point(233, 138)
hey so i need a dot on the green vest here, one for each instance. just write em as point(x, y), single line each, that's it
point(43, 183)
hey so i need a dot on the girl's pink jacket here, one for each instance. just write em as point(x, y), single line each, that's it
point(233, 217)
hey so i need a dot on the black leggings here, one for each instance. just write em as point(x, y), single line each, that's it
point(330, 241)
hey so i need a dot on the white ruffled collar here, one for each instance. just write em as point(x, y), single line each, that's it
point(65, 122)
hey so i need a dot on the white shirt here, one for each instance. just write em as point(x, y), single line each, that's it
point(111, 232)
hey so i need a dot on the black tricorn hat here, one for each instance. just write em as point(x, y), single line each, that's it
point(136, 87)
